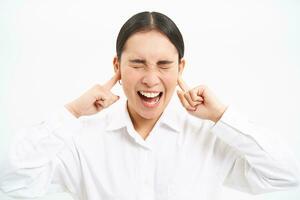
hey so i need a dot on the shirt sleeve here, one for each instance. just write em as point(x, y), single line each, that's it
point(42, 158)
point(260, 162)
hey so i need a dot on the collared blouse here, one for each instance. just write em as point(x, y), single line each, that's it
point(183, 158)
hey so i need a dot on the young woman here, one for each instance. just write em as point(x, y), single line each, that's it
point(146, 148)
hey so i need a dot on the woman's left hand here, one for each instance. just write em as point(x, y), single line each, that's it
point(200, 101)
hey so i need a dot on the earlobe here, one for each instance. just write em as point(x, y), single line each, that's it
point(117, 68)
point(181, 66)
point(116, 64)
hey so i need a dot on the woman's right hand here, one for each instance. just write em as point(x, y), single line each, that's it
point(95, 99)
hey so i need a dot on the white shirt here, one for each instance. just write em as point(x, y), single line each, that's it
point(183, 158)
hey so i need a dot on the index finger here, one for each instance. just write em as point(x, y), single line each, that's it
point(182, 84)
point(110, 84)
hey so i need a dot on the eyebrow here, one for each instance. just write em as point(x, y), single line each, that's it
point(142, 61)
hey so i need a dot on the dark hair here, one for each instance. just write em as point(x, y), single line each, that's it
point(144, 21)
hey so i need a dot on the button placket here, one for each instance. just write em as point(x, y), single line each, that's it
point(147, 187)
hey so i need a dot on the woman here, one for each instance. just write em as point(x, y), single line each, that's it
point(145, 148)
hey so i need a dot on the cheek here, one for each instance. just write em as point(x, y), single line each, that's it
point(129, 79)
point(170, 80)
point(129, 75)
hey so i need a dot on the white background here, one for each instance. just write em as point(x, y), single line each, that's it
point(247, 52)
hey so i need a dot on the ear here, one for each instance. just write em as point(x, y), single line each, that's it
point(181, 66)
point(116, 64)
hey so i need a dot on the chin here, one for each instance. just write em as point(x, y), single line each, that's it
point(150, 115)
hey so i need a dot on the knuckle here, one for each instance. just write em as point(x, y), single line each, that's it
point(186, 95)
point(96, 86)
point(193, 93)
point(185, 106)
point(105, 103)
point(204, 86)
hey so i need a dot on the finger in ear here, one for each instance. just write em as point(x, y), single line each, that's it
point(189, 100)
point(184, 102)
point(194, 96)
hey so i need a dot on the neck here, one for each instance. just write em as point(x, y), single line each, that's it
point(141, 125)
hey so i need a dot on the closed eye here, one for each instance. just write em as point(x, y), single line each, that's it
point(137, 61)
point(164, 62)
point(137, 67)
point(141, 63)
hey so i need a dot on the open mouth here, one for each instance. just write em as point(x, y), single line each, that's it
point(150, 99)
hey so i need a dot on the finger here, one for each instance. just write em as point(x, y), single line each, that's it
point(194, 95)
point(184, 102)
point(98, 105)
point(110, 84)
point(190, 101)
point(201, 90)
point(103, 99)
point(182, 84)
point(113, 98)
point(108, 100)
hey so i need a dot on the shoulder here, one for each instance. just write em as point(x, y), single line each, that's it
point(94, 125)
point(197, 133)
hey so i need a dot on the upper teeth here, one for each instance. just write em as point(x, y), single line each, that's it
point(149, 94)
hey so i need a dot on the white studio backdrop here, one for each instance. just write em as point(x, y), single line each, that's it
point(247, 52)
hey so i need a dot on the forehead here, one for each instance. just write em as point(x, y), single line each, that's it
point(151, 44)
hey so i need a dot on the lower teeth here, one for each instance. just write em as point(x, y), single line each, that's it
point(154, 102)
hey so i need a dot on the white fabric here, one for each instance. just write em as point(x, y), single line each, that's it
point(104, 158)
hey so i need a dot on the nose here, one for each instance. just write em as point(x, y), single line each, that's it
point(151, 79)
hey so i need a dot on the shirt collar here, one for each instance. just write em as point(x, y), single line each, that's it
point(118, 118)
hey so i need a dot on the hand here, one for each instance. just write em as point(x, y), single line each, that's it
point(200, 101)
point(95, 99)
